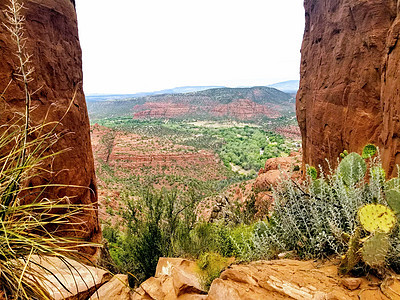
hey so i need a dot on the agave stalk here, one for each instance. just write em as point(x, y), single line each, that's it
point(16, 28)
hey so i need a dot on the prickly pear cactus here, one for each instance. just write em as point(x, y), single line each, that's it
point(312, 172)
point(377, 217)
point(352, 169)
point(369, 151)
point(352, 257)
point(393, 199)
point(344, 154)
point(375, 249)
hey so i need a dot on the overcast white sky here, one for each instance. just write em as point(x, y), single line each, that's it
point(145, 45)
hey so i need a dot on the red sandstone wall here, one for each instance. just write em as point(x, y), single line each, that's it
point(390, 97)
point(348, 95)
point(52, 39)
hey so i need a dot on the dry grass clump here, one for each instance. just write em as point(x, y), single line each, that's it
point(26, 216)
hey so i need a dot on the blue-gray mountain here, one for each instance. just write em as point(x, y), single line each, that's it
point(290, 86)
point(177, 90)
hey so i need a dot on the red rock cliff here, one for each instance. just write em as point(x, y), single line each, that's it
point(52, 39)
point(349, 88)
point(390, 96)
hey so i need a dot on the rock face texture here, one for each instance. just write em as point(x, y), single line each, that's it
point(291, 279)
point(175, 278)
point(75, 280)
point(349, 94)
point(390, 95)
point(241, 109)
point(52, 40)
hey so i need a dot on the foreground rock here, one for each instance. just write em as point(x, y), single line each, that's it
point(116, 288)
point(290, 279)
point(53, 42)
point(175, 278)
point(69, 279)
point(349, 94)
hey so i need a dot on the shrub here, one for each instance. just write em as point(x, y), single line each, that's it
point(318, 217)
point(211, 265)
point(157, 224)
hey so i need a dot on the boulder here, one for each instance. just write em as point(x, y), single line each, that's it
point(52, 40)
point(80, 280)
point(153, 288)
point(185, 282)
point(265, 181)
point(279, 163)
point(351, 283)
point(223, 290)
point(116, 288)
point(175, 278)
point(140, 294)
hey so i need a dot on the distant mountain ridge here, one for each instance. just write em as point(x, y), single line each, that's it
point(176, 90)
point(290, 86)
point(237, 103)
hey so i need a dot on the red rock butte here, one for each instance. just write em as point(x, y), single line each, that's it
point(349, 88)
point(52, 40)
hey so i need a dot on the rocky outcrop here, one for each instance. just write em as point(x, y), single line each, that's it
point(257, 192)
point(175, 278)
point(291, 279)
point(242, 109)
point(116, 288)
point(161, 110)
point(390, 96)
point(290, 132)
point(349, 93)
point(131, 151)
point(52, 40)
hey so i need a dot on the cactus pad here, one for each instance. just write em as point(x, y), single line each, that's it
point(393, 183)
point(375, 249)
point(377, 217)
point(352, 257)
point(312, 172)
point(368, 151)
point(393, 199)
point(352, 168)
